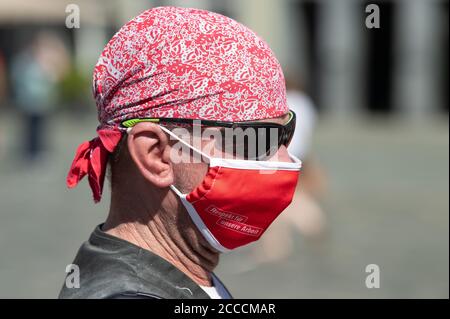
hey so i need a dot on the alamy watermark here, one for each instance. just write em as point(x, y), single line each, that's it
point(373, 277)
point(196, 144)
point(73, 276)
point(373, 18)
point(73, 16)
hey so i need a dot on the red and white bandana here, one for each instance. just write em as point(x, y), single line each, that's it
point(178, 63)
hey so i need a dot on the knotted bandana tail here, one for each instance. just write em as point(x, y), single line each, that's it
point(91, 158)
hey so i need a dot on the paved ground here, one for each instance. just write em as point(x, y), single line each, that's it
point(387, 204)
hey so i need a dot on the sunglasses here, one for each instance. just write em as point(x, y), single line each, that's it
point(249, 140)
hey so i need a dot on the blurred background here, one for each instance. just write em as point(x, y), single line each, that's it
point(373, 134)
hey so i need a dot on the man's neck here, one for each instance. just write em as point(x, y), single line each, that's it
point(165, 239)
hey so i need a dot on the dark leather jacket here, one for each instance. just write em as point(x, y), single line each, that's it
point(114, 268)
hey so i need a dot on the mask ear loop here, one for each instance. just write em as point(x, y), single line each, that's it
point(176, 190)
point(182, 141)
point(185, 143)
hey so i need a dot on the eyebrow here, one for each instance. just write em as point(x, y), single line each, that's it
point(284, 117)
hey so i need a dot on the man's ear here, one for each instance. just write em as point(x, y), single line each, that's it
point(149, 148)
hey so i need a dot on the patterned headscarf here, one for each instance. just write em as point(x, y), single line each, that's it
point(178, 63)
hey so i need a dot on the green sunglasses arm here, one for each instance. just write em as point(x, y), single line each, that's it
point(133, 122)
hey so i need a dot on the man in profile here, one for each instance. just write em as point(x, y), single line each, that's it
point(169, 70)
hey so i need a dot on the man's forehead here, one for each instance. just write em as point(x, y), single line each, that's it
point(279, 120)
point(283, 119)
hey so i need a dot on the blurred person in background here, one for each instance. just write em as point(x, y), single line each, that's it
point(168, 222)
point(2, 98)
point(35, 72)
point(2, 79)
point(304, 217)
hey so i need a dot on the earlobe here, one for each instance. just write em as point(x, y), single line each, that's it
point(149, 149)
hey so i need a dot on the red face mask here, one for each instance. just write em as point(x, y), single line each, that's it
point(238, 199)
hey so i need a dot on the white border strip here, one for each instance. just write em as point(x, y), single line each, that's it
point(259, 165)
point(199, 222)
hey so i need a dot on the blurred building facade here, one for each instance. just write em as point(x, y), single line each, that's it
point(400, 68)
